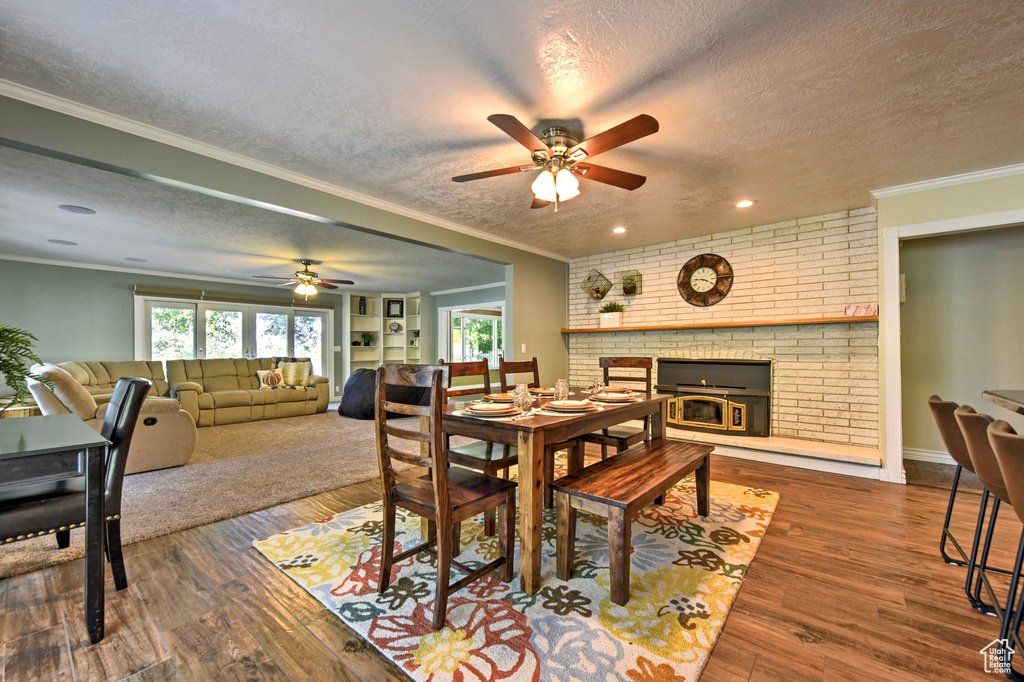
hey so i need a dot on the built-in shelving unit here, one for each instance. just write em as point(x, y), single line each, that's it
point(388, 346)
point(732, 323)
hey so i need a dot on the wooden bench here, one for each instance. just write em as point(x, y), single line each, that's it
point(617, 488)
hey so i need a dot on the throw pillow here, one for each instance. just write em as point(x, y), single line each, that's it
point(295, 373)
point(269, 378)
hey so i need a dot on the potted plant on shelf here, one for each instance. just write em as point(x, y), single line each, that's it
point(611, 315)
point(15, 351)
point(415, 340)
point(629, 285)
point(367, 338)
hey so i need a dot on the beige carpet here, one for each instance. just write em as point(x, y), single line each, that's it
point(236, 469)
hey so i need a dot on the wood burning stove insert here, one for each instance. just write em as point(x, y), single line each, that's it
point(718, 396)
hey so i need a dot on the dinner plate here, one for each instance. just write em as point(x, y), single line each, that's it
point(571, 405)
point(612, 398)
point(542, 391)
point(499, 397)
point(616, 389)
point(491, 409)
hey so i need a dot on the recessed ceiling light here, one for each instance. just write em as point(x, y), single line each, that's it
point(62, 242)
point(746, 203)
point(224, 270)
point(619, 230)
point(71, 208)
point(137, 260)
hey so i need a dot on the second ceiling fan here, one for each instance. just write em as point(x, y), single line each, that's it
point(560, 158)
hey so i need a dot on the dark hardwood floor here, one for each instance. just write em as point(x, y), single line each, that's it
point(847, 585)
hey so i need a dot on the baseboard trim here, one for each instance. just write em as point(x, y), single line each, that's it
point(800, 462)
point(936, 456)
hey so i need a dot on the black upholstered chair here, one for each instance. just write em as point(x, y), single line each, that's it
point(57, 507)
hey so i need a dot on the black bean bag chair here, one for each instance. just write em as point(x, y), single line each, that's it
point(357, 400)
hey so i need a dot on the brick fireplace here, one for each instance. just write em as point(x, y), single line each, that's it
point(825, 376)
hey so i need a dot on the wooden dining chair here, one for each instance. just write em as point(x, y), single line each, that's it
point(444, 496)
point(622, 437)
point(490, 458)
point(531, 368)
point(57, 507)
point(507, 369)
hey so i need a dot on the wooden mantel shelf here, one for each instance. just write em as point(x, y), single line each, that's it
point(734, 323)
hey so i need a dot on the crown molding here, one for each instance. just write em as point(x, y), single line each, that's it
point(81, 111)
point(492, 285)
point(949, 181)
point(133, 271)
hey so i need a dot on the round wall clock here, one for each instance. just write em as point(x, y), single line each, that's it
point(395, 327)
point(705, 280)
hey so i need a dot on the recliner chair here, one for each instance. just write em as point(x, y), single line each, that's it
point(165, 436)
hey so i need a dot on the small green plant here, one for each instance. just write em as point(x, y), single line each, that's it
point(367, 338)
point(15, 352)
point(612, 307)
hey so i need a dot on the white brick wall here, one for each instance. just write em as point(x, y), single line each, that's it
point(825, 376)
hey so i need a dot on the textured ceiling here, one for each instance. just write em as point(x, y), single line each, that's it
point(183, 231)
point(804, 106)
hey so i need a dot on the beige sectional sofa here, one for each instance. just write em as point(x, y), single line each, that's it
point(165, 435)
point(227, 391)
point(98, 378)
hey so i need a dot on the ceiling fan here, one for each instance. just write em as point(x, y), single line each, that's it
point(307, 280)
point(560, 158)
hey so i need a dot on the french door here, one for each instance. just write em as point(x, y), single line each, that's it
point(178, 329)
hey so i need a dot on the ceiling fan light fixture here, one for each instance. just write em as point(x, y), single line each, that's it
point(544, 186)
point(567, 184)
point(306, 289)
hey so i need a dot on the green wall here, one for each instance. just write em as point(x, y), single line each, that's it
point(537, 283)
point(86, 314)
point(964, 201)
point(961, 325)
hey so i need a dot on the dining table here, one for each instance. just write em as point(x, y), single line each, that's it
point(1011, 399)
point(46, 449)
point(530, 433)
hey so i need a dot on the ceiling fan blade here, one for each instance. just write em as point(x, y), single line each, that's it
point(338, 281)
point(511, 126)
point(324, 285)
point(633, 129)
point(492, 173)
point(289, 283)
point(610, 176)
point(269, 277)
point(539, 203)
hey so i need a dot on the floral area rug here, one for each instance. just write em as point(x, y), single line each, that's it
point(685, 573)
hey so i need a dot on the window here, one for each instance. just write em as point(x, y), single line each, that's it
point(172, 330)
point(475, 335)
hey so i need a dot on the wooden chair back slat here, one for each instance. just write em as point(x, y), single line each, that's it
point(468, 369)
point(518, 367)
point(406, 434)
point(405, 408)
point(412, 481)
point(631, 363)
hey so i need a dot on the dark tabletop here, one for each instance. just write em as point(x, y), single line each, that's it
point(549, 421)
point(53, 433)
